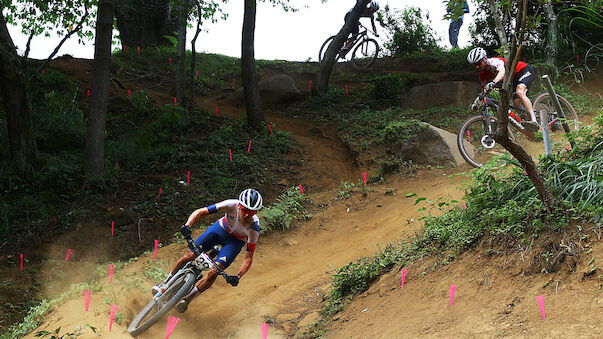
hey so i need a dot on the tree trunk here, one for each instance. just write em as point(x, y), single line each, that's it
point(552, 30)
point(96, 120)
point(144, 22)
point(14, 99)
point(326, 65)
point(502, 136)
point(181, 62)
point(194, 55)
point(255, 116)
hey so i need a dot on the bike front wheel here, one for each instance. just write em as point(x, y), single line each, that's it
point(324, 47)
point(545, 102)
point(365, 53)
point(476, 145)
point(159, 306)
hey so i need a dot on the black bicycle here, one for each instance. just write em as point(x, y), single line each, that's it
point(475, 138)
point(179, 286)
point(364, 49)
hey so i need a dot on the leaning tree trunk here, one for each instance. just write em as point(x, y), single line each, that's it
point(14, 99)
point(193, 72)
point(552, 31)
point(502, 135)
point(144, 22)
point(326, 65)
point(96, 120)
point(181, 63)
point(255, 116)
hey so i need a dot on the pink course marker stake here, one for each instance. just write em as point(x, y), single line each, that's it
point(138, 49)
point(159, 196)
point(21, 255)
point(124, 48)
point(270, 128)
point(469, 136)
point(233, 82)
point(264, 330)
point(249, 147)
point(346, 90)
point(175, 101)
point(156, 244)
point(171, 324)
point(88, 92)
point(188, 177)
point(42, 72)
point(364, 178)
point(301, 189)
point(68, 254)
point(216, 111)
point(196, 74)
point(114, 309)
point(540, 301)
point(452, 290)
point(129, 93)
point(110, 271)
point(112, 228)
point(310, 86)
point(230, 154)
point(170, 61)
point(403, 278)
point(87, 295)
point(577, 58)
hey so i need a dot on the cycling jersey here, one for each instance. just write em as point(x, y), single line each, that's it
point(494, 66)
point(231, 223)
point(365, 14)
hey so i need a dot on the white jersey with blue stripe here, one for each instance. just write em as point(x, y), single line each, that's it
point(249, 231)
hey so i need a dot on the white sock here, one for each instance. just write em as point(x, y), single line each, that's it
point(168, 278)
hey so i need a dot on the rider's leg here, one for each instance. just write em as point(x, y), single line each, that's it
point(521, 97)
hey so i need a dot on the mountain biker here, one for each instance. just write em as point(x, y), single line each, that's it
point(368, 12)
point(492, 72)
point(239, 226)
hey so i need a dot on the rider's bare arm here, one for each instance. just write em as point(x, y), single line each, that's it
point(246, 264)
point(218, 207)
point(373, 23)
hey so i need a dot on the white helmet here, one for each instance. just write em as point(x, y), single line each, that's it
point(251, 199)
point(476, 55)
point(374, 5)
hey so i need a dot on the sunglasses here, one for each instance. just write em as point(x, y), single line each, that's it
point(246, 210)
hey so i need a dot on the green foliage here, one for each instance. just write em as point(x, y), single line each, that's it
point(140, 101)
point(409, 29)
point(389, 88)
point(280, 215)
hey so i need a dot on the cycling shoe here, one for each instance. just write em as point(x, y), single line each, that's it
point(182, 306)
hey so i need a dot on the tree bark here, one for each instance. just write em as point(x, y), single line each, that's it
point(144, 22)
point(255, 116)
point(326, 65)
point(14, 99)
point(502, 136)
point(181, 55)
point(96, 120)
point(552, 31)
point(194, 55)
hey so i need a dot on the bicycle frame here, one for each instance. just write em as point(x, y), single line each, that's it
point(360, 37)
point(515, 120)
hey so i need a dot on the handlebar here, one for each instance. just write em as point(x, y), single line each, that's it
point(192, 245)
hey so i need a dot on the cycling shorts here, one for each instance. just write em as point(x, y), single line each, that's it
point(216, 235)
point(526, 77)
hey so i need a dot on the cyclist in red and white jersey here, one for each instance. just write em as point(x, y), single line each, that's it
point(492, 72)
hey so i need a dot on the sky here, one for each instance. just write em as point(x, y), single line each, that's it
point(294, 36)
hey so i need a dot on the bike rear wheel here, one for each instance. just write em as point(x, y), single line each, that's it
point(544, 102)
point(475, 144)
point(323, 48)
point(365, 53)
point(158, 307)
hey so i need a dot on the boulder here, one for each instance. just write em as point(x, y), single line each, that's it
point(434, 146)
point(279, 89)
point(441, 94)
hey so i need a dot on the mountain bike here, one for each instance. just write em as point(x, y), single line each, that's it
point(364, 49)
point(475, 138)
point(179, 286)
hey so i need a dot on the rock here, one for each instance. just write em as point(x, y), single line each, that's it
point(441, 94)
point(279, 89)
point(283, 182)
point(286, 317)
point(600, 302)
point(434, 146)
point(308, 319)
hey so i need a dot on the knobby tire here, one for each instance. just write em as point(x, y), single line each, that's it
point(478, 120)
point(371, 60)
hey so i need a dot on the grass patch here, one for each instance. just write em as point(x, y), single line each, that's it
point(288, 208)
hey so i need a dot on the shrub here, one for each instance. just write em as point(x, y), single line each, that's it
point(391, 87)
point(280, 215)
point(410, 30)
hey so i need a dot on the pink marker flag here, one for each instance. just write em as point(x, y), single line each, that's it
point(270, 128)
point(124, 48)
point(577, 58)
point(156, 244)
point(216, 111)
point(188, 177)
point(129, 93)
point(21, 255)
point(110, 271)
point(138, 49)
point(112, 228)
point(114, 309)
point(87, 295)
point(310, 86)
point(88, 92)
point(159, 196)
point(364, 178)
point(196, 74)
point(175, 101)
point(233, 82)
point(301, 189)
point(170, 61)
point(264, 330)
point(42, 72)
point(403, 278)
point(452, 290)
point(230, 154)
point(568, 149)
point(171, 324)
point(540, 301)
point(68, 254)
point(249, 147)
point(346, 90)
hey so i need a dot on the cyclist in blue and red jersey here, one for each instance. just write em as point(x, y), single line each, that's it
point(238, 227)
point(492, 72)
point(368, 12)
